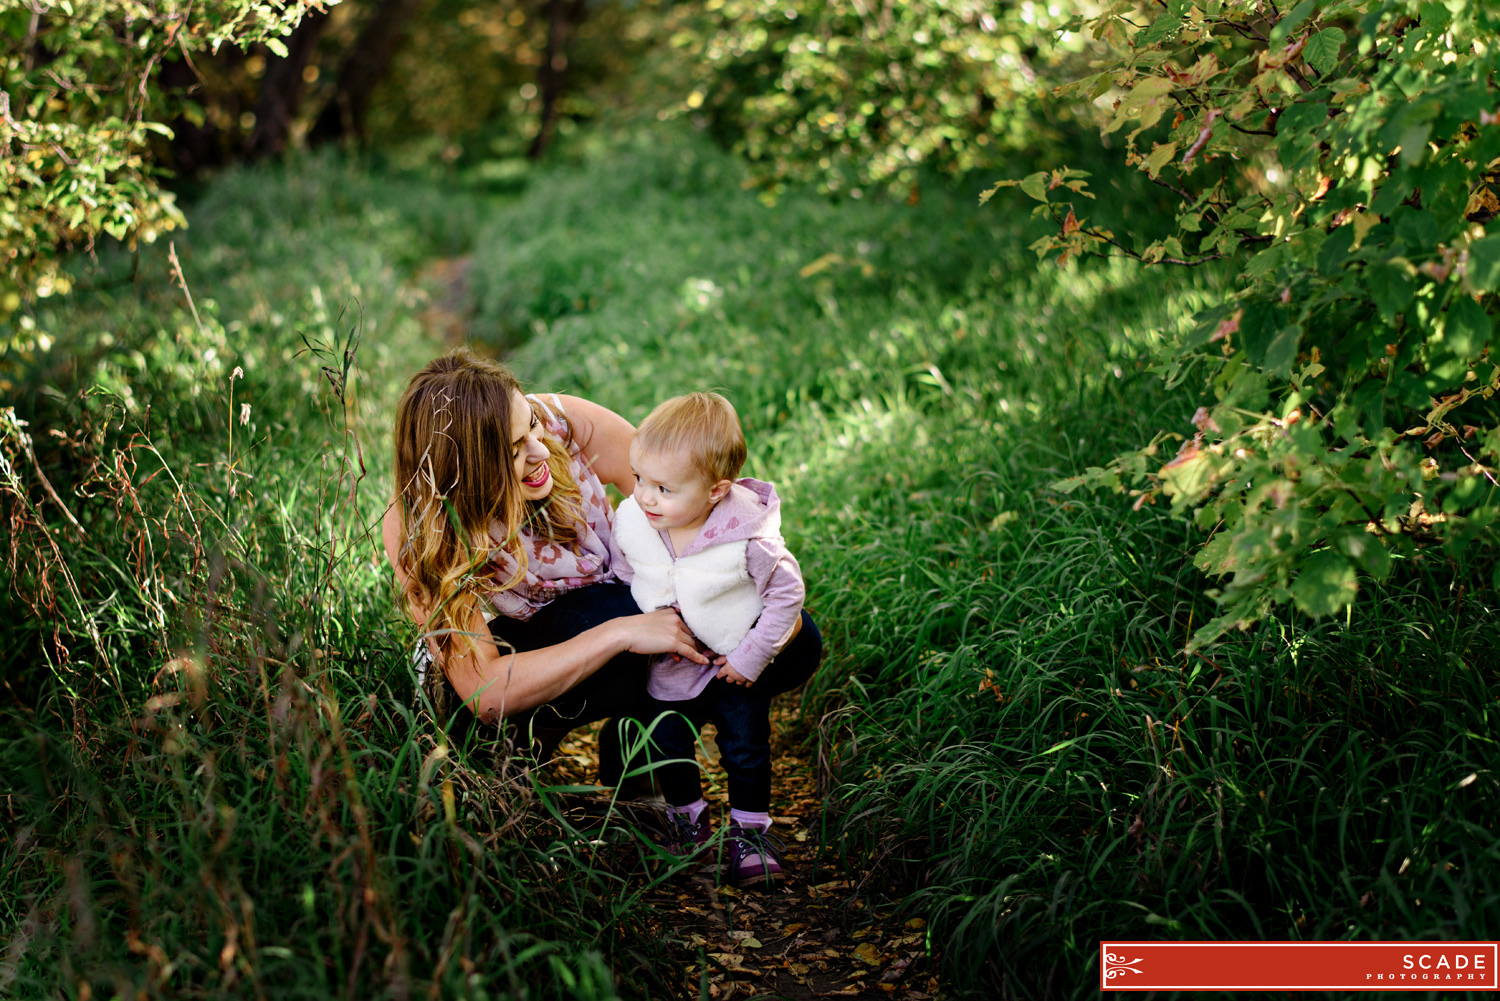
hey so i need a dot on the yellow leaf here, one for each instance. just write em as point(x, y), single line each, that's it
point(821, 264)
point(1145, 99)
point(1363, 222)
point(1159, 158)
point(867, 953)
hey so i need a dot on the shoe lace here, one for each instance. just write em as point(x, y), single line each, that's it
point(755, 841)
point(682, 832)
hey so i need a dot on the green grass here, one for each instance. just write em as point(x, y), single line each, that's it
point(1020, 752)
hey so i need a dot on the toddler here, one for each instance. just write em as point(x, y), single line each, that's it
point(694, 537)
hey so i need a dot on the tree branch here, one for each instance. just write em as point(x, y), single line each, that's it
point(1127, 252)
point(1184, 195)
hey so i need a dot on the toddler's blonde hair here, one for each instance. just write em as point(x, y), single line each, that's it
point(701, 427)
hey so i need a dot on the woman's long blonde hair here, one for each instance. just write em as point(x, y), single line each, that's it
point(460, 499)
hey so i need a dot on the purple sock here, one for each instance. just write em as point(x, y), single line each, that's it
point(747, 819)
point(693, 810)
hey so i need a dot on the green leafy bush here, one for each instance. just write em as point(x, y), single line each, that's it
point(857, 96)
point(1343, 155)
point(78, 104)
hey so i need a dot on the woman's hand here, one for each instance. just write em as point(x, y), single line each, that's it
point(660, 631)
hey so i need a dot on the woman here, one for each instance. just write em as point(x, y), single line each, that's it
point(499, 536)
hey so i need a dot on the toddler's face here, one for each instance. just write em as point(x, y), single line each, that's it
point(671, 493)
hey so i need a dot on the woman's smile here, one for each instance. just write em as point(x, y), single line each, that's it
point(529, 450)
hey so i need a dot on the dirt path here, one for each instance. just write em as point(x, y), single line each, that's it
point(812, 937)
point(446, 281)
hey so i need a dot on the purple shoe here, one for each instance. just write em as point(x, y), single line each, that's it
point(683, 837)
point(753, 857)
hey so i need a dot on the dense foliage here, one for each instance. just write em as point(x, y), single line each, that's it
point(80, 102)
point(1343, 156)
point(857, 96)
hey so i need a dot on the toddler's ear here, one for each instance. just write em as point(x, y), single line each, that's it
point(719, 490)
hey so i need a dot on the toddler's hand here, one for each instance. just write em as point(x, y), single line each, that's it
point(734, 677)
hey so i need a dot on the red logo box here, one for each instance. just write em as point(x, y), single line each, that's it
point(1308, 966)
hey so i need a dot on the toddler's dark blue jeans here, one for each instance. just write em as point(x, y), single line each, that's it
point(743, 718)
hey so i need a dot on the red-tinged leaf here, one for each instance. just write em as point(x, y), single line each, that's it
point(896, 971)
point(1203, 135)
point(1228, 326)
point(1187, 453)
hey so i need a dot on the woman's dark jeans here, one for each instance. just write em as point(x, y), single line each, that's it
point(743, 718)
point(616, 689)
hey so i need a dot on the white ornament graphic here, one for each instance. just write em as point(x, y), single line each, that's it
point(1118, 966)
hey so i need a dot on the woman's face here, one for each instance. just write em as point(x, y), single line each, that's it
point(528, 451)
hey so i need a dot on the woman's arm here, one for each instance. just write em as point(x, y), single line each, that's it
point(605, 439)
point(496, 683)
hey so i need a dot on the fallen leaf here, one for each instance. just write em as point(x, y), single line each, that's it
point(896, 971)
point(751, 943)
point(728, 960)
point(916, 923)
point(867, 953)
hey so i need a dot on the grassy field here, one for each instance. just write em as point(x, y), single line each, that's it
point(220, 786)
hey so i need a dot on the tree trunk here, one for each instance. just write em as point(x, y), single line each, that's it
point(363, 68)
point(281, 88)
point(562, 17)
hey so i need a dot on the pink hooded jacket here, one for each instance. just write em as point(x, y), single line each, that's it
point(748, 514)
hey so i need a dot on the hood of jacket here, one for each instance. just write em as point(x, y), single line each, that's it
point(751, 510)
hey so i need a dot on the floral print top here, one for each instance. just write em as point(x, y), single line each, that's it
point(552, 569)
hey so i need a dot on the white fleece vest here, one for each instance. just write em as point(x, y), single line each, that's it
point(712, 587)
